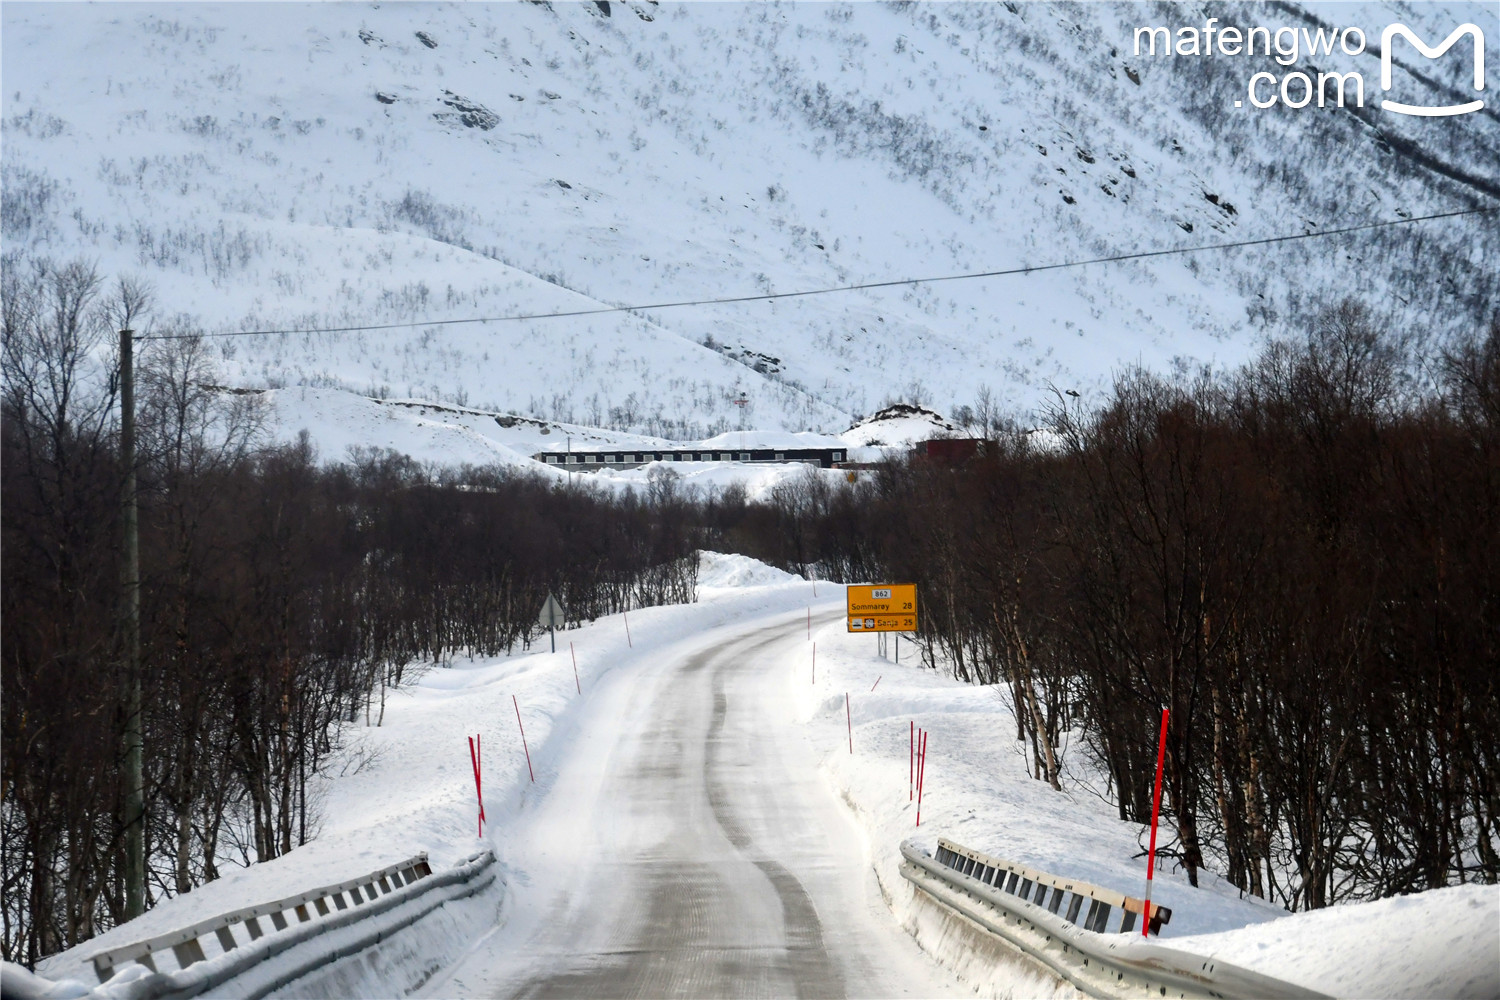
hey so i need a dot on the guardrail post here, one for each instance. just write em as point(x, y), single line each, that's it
point(188, 952)
point(226, 938)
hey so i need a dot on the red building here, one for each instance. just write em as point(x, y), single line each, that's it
point(949, 451)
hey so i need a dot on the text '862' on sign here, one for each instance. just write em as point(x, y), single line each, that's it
point(887, 607)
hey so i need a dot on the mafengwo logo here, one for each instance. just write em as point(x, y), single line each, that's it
point(1314, 87)
point(1389, 34)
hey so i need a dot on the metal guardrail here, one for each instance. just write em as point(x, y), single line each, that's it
point(187, 950)
point(1032, 883)
point(1101, 965)
point(305, 947)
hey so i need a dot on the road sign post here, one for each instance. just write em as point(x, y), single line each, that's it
point(888, 607)
point(551, 617)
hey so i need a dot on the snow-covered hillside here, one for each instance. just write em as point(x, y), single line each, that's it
point(350, 164)
point(341, 425)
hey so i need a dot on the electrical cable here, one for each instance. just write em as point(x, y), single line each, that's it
point(772, 296)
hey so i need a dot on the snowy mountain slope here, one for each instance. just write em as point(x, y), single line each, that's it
point(338, 421)
point(341, 424)
point(345, 164)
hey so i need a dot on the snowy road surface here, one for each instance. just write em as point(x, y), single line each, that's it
point(690, 847)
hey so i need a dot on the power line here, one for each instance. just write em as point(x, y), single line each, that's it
point(895, 283)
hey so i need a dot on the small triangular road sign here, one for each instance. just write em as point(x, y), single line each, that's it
point(552, 613)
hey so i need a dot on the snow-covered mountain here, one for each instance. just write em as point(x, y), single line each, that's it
point(349, 164)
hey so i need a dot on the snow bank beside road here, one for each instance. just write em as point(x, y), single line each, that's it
point(717, 572)
point(1442, 943)
point(977, 792)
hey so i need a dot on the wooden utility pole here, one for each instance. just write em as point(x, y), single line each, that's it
point(135, 784)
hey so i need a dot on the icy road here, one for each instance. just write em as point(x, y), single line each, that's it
point(691, 848)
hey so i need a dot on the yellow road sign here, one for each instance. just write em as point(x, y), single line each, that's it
point(887, 607)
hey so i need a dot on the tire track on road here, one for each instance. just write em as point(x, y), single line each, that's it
point(813, 971)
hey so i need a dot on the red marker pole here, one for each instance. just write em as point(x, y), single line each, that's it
point(921, 774)
point(877, 683)
point(1161, 753)
point(475, 768)
point(575, 668)
point(478, 786)
point(911, 761)
point(849, 720)
point(523, 737)
point(629, 641)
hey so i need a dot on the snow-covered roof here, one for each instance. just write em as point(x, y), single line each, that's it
point(769, 439)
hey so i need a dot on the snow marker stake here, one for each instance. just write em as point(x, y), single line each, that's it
point(921, 773)
point(523, 738)
point(1161, 753)
point(575, 668)
point(911, 761)
point(849, 720)
point(877, 683)
point(474, 751)
point(629, 641)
